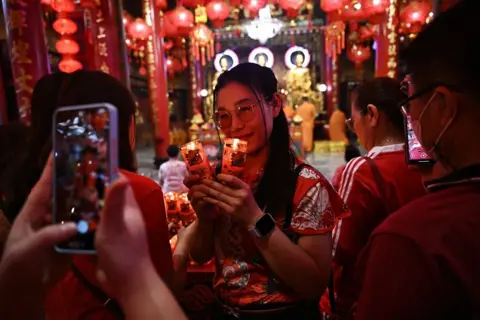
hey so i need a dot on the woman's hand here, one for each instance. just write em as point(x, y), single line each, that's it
point(196, 196)
point(30, 264)
point(234, 197)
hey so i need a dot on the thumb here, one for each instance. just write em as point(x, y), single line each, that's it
point(54, 234)
point(115, 203)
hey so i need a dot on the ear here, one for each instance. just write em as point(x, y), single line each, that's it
point(450, 104)
point(372, 114)
point(276, 104)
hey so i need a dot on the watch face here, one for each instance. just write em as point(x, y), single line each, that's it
point(265, 225)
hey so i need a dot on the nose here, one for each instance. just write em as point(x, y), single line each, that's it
point(237, 124)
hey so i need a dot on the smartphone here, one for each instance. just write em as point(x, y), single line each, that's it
point(85, 163)
point(414, 151)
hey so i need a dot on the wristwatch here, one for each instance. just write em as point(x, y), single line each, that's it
point(263, 226)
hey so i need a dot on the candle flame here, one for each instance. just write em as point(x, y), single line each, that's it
point(235, 144)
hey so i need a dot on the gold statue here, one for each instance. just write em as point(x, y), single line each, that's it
point(299, 84)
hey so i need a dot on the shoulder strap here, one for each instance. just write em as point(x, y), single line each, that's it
point(289, 209)
point(98, 293)
point(379, 181)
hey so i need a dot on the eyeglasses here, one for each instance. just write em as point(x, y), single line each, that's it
point(405, 104)
point(350, 124)
point(244, 112)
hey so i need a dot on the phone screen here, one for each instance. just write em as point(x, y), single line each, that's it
point(82, 172)
point(415, 151)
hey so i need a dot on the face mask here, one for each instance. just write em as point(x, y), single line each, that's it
point(417, 128)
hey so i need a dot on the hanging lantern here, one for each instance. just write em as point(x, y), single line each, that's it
point(182, 19)
point(69, 65)
point(161, 4)
point(67, 46)
point(139, 30)
point(367, 32)
point(63, 5)
point(127, 19)
point(65, 26)
point(373, 7)
point(235, 3)
point(202, 42)
point(253, 6)
point(168, 28)
point(192, 4)
point(416, 12)
point(332, 5)
point(217, 12)
point(291, 7)
point(354, 12)
point(174, 65)
point(358, 54)
point(334, 39)
point(168, 45)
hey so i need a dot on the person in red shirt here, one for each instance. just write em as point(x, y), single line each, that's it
point(423, 261)
point(271, 233)
point(72, 298)
point(374, 186)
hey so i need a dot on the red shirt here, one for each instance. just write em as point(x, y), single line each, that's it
point(243, 277)
point(423, 262)
point(359, 190)
point(70, 300)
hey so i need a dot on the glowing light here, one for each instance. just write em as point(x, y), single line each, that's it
point(228, 53)
point(252, 57)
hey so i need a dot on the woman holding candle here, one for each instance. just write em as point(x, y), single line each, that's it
point(271, 231)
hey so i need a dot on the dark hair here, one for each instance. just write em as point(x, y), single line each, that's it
point(305, 98)
point(13, 137)
point(62, 89)
point(276, 187)
point(173, 151)
point(447, 50)
point(385, 94)
point(351, 151)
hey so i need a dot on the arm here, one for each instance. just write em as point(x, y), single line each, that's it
point(304, 267)
point(400, 282)
point(201, 250)
point(152, 300)
point(161, 177)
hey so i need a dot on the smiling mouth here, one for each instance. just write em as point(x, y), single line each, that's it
point(245, 136)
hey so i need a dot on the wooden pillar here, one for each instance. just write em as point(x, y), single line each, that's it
point(28, 50)
point(157, 80)
point(386, 62)
point(110, 54)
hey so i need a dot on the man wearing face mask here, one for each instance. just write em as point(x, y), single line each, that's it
point(423, 261)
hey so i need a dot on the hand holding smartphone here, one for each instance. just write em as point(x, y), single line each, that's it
point(85, 147)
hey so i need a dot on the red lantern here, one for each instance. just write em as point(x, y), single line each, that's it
point(235, 3)
point(193, 3)
point(127, 19)
point(168, 45)
point(46, 2)
point(182, 19)
point(63, 5)
point(139, 30)
point(161, 4)
point(88, 4)
point(354, 12)
point(332, 5)
point(217, 12)
point(65, 26)
point(67, 46)
point(168, 28)
point(69, 65)
point(291, 6)
point(202, 42)
point(358, 54)
point(253, 6)
point(416, 12)
point(174, 65)
point(373, 7)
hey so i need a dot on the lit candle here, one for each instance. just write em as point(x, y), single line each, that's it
point(234, 157)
